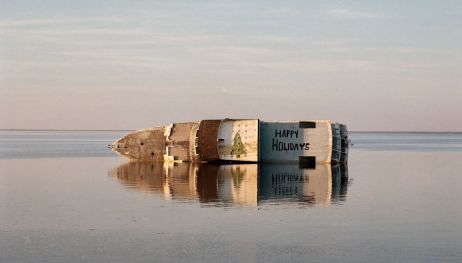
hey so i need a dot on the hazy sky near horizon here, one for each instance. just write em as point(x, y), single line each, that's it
point(374, 65)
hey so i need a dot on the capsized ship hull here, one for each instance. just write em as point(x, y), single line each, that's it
point(238, 140)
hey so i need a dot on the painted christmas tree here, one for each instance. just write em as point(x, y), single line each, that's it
point(238, 146)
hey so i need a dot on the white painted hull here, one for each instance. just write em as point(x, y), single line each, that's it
point(243, 140)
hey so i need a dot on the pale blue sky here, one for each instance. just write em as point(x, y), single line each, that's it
point(374, 65)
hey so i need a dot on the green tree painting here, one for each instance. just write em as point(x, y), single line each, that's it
point(238, 146)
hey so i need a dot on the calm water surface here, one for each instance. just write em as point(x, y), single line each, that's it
point(64, 197)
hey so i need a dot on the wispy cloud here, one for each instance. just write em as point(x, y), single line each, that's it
point(26, 22)
point(351, 14)
point(55, 21)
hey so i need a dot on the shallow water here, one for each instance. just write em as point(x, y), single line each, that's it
point(64, 197)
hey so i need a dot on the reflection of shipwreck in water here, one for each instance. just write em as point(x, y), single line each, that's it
point(246, 184)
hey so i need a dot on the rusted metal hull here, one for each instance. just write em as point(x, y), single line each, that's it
point(243, 140)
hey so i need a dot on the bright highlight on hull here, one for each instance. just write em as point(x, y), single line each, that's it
point(239, 140)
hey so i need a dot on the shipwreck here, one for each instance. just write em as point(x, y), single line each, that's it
point(238, 140)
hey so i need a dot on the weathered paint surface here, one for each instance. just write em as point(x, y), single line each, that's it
point(143, 145)
point(206, 141)
point(175, 142)
point(238, 140)
point(336, 142)
point(344, 143)
point(181, 142)
point(288, 141)
point(303, 142)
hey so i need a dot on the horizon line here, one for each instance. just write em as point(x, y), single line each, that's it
point(354, 131)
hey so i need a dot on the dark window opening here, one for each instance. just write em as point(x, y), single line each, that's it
point(307, 124)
